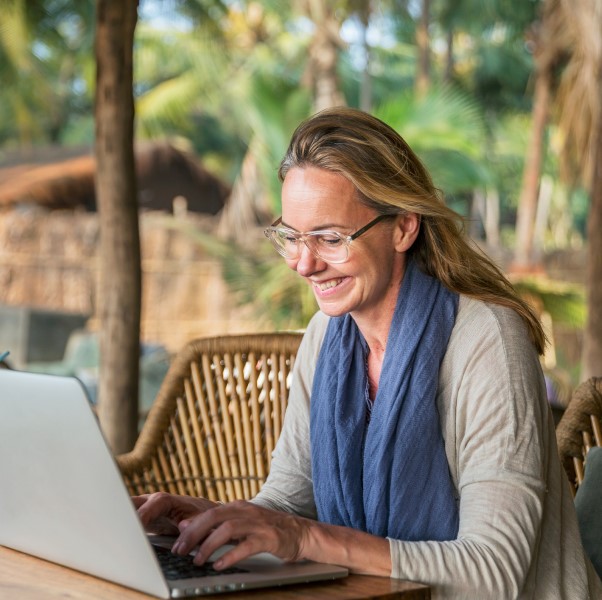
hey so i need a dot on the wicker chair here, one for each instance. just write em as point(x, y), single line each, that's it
point(580, 428)
point(216, 419)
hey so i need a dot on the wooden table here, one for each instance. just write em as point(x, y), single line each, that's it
point(25, 577)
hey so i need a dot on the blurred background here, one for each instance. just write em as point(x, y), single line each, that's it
point(500, 98)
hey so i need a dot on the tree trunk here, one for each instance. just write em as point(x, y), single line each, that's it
point(544, 202)
point(527, 204)
point(423, 70)
point(592, 341)
point(119, 292)
point(492, 220)
point(324, 56)
point(448, 73)
point(366, 79)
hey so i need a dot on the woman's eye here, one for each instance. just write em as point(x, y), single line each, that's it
point(287, 238)
point(330, 240)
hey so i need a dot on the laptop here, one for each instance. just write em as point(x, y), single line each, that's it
point(62, 499)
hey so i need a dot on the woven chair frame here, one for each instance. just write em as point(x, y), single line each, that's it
point(216, 419)
point(580, 429)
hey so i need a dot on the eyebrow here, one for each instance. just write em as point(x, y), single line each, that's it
point(324, 227)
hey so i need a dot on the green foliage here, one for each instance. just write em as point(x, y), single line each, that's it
point(392, 71)
point(502, 74)
point(579, 204)
point(175, 74)
point(276, 107)
point(508, 137)
point(446, 129)
point(563, 301)
point(45, 53)
point(478, 16)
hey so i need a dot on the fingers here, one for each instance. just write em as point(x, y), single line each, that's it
point(251, 542)
point(156, 506)
point(193, 531)
point(139, 500)
point(253, 529)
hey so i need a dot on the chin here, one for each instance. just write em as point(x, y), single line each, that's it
point(332, 311)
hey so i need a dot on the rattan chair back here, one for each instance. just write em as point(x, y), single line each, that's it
point(580, 428)
point(216, 419)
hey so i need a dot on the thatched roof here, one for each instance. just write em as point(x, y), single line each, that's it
point(164, 174)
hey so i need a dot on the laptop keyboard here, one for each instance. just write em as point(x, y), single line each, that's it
point(182, 567)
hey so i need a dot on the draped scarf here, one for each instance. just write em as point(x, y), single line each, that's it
point(381, 467)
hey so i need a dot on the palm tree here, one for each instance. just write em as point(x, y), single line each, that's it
point(580, 104)
point(323, 52)
point(423, 47)
point(548, 44)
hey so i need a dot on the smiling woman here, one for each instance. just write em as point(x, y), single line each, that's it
point(417, 442)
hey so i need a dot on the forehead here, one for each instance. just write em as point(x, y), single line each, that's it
point(315, 198)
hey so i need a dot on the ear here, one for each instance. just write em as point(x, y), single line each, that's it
point(407, 227)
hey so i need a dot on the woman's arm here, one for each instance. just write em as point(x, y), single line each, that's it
point(290, 537)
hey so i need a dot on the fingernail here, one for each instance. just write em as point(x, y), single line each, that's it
point(218, 563)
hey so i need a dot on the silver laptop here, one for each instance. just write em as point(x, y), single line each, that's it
point(62, 498)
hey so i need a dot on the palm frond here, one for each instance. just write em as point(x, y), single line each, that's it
point(573, 29)
point(446, 129)
point(168, 101)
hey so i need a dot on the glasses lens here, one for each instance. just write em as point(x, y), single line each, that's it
point(327, 245)
point(284, 241)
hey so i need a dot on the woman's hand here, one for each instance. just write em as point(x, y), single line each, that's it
point(252, 528)
point(162, 513)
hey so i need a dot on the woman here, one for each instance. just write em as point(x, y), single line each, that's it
point(417, 443)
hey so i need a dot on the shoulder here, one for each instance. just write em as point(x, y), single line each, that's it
point(314, 334)
point(307, 356)
point(490, 341)
point(477, 320)
point(488, 335)
point(491, 384)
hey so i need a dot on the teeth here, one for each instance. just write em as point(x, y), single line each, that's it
point(328, 284)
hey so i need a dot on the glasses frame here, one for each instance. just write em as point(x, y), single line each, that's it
point(303, 235)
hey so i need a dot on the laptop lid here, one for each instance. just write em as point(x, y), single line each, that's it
point(63, 498)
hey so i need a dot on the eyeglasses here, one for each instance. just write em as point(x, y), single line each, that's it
point(330, 246)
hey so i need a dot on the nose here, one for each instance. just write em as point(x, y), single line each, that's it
point(307, 263)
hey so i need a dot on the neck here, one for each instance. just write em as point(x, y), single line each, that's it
point(375, 324)
point(375, 332)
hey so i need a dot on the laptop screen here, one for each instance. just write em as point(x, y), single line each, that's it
point(63, 498)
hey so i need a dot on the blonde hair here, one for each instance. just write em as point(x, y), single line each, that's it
point(391, 179)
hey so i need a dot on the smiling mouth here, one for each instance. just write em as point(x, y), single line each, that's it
point(326, 285)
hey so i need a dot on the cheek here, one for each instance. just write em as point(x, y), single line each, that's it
point(291, 264)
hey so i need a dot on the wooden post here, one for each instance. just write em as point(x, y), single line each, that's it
point(119, 291)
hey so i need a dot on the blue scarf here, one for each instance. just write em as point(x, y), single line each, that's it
point(388, 476)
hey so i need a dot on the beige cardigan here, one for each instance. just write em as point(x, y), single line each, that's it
point(518, 535)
